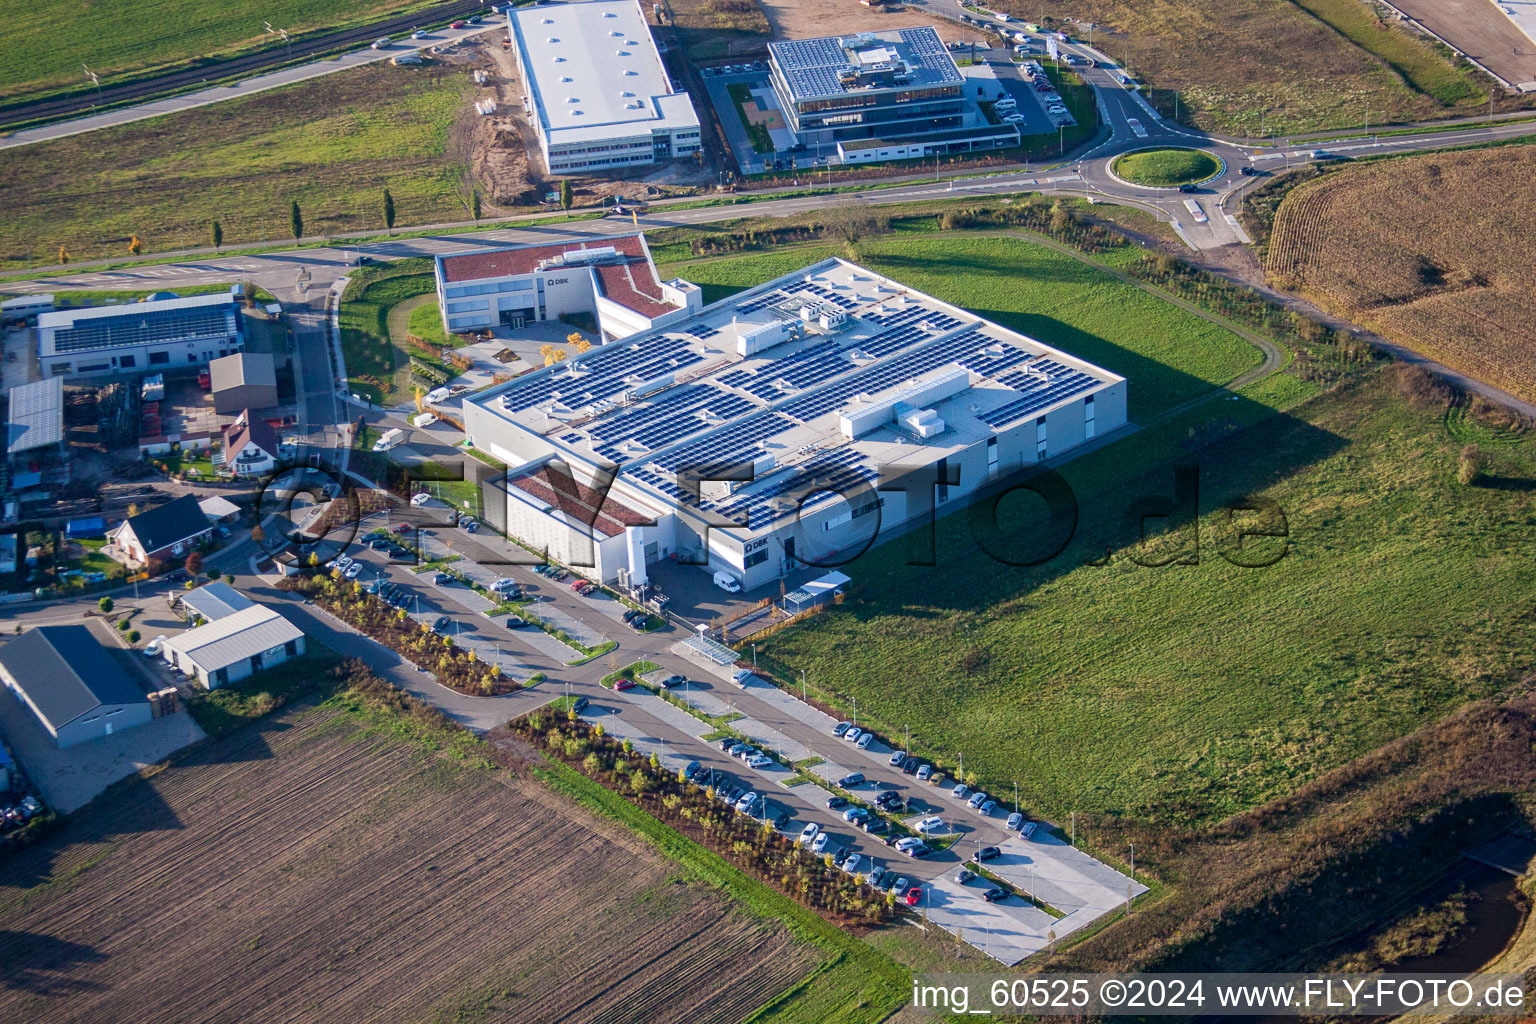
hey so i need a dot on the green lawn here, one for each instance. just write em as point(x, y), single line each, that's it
point(1167, 166)
point(44, 48)
point(761, 141)
point(1188, 692)
point(378, 363)
point(333, 144)
point(1168, 354)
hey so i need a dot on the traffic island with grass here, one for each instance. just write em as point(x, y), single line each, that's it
point(1166, 168)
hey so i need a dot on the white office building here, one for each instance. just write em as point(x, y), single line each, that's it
point(615, 283)
point(138, 337)
point(786, 425)
point(599, 96)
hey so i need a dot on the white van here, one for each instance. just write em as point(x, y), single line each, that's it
point(423, 419)
point(932, 823)
point(725, 581)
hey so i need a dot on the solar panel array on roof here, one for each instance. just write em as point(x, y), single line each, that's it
point(990, 364)
point(888, 374)
point(828, 294)
point(831, 475)
point(725, 447)
point(146, 328)
point(606, 372)
point(673, 417)
point(1053, 382)
point(811, 67)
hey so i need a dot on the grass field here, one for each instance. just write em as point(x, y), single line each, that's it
point(1170, 355)
point(333, 144)
point(378, 362)
point(44, 49)
point(1432, 251)
point(1309, 65)
point(376, 897)
point(1191, 691)
point(1167, 166)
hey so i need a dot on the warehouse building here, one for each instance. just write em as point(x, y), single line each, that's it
point(234, 646)
point(23, 308)
point(212, 601)
point(160, 334)
point(879, 95)
point(599, 96)
point(615, 284)
point(72, 684)
point(787, 425)
point(243, 380)
point(36, 447)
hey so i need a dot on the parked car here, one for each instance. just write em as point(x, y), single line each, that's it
point(458, 24)
point(959, 791)
point(808, 833)
point(994, 894)
point(977, 799)
point(864, 741)
point(855, 815)
point(876, 876)
point(835, 803)
point(986, 853)
point(153, 647)
point(672, 681)
point(932, 823)
point(906, 841)
point(354, 570)
point(914, 895)
point(513, 622)
point(986, 808)
point(897, 758)
point(851, 865)
point(624, 683)
point(759, 761)
point(442, 624)
point(441, 579)
point(924, 773)
point(419, 499)
point(1015, 822)
point(853, 734)
point(580, 704)
point(738, 748)
point(821, 842)
point(402, 527)
point(1029, 829)
point(964, 875)
point(691, 769)
point(909, 766)
point(851, 780)
point(874, 826)
point(418, 34)
point(746, 803)
point(888, 798)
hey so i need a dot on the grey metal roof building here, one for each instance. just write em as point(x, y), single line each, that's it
point(36, 416)
point(214, 601)
point(235, 646)
point(139, 336)
point(244, 380)
point(73, 686)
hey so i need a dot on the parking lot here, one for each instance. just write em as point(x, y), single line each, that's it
point(796, 781)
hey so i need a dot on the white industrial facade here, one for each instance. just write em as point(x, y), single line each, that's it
point(784, 426)
point(614, 283)
point(139, 337)
point(234, 646)
point(599, 96)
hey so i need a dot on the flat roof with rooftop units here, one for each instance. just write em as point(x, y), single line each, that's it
point(831, 379)
point(598, 93)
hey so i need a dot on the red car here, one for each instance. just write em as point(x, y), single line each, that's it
point(624, 683)
point(400, 528)
point(913, 895)
point(459, 24)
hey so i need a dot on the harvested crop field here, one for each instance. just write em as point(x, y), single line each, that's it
point(1433, 251)
point(318, 867)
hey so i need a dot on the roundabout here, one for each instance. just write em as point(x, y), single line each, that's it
point(1166, 167)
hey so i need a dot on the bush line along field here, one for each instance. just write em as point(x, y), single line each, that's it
point(1311, 65)
point(333, 144)
point(1187, 692)
point(1431, 251)
point(391, 905)
point(45, 48)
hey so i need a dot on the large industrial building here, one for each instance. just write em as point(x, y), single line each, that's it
point(783, 426)
point(73, 686)
point(157, 334)
point(599, 96)
point(897, 91)
point(614, 283)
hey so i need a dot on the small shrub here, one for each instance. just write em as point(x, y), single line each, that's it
point(105, 604)
point(133, 636)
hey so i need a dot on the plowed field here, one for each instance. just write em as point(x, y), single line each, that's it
point(313, 869)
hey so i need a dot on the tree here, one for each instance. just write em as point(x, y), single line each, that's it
point(567, 197)
point(135, 247)
point(389, 210)
point(474, 205)
point(194, 563)
point(133, 636)
point(218, 235)
point(105, 604)
point(296, 220)
point(63, 255)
